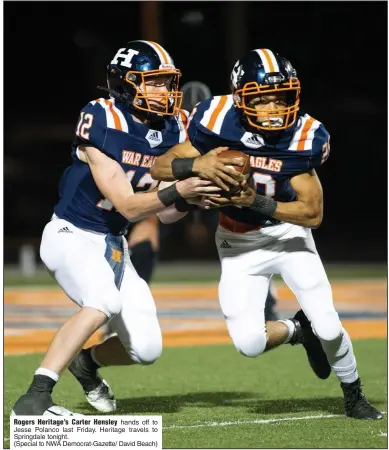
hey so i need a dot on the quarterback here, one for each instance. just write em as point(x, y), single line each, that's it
point(107, 186)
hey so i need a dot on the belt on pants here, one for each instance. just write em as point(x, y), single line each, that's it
point(234, 226)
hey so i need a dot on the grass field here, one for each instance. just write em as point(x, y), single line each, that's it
point(212, 397)
point(201, 273)
point(208, 395)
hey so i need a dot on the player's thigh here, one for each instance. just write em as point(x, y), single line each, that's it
point(242, 297)
point(303, 271)
point(79, 266)
point(244, 280)
point(241, 292)
point(300, 265)
point(137, 324)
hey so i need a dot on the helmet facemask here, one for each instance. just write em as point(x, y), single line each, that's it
point(143, 100)
point(272, 119)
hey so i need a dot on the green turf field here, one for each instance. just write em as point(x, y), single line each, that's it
point(212, 397)
point(200, 273)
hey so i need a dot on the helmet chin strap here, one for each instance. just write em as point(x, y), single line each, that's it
point(112, 93)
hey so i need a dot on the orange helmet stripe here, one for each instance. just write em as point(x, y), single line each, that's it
point(162, 51)
point(268, 59)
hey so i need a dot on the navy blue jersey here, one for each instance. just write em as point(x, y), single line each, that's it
point(274, 160)
point(113, 130)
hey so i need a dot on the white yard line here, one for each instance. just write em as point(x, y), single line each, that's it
point(252, 422)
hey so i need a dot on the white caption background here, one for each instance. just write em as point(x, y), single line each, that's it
point(86, 431)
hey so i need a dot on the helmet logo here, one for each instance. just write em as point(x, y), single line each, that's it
point(274, 79)
point(166, 66)
point(126, 55)
point(237, 73)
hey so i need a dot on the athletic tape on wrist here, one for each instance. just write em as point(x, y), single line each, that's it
point(169, 195)
point(264, 205)
point(182, 168)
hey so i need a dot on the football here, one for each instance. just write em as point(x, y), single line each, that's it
point(244, 170)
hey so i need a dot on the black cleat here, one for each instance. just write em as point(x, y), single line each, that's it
point(355, 403)
point(97, 391)
point(316, 355)
point(38, 404)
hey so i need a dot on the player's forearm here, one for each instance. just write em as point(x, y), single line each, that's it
point(162, 168)
point(171, 215)
point(118, 190)
point(176, 164)
point(306, 213)
point(299, 213)
point(136, 207)
point(139, 206)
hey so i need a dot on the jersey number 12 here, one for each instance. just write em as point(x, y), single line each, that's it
point(145, 180)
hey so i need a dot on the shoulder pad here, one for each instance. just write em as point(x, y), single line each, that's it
point(206, 120)
point(92, 126)
point(211, 113)
point(182, 120)
point(311, 136)
point(96, 118)
point(184, 114)
point(114, 117)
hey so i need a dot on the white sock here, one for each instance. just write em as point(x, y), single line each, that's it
point(291, 329)
point(341, 357)
point(93, 356)
point(48, 373)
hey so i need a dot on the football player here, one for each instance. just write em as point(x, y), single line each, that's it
point(107, 186)
point(266, 228)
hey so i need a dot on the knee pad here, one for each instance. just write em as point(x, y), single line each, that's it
point(143, 347)
point(148, 353)
point(327, 327)
point(143, 257)
point(251, 345)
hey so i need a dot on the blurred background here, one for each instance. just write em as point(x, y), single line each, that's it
point(55, 55)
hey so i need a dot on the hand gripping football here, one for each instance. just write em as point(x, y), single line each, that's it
point(244, 170)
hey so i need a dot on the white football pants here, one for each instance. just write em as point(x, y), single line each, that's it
point(95, 270)
point(248, 260)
